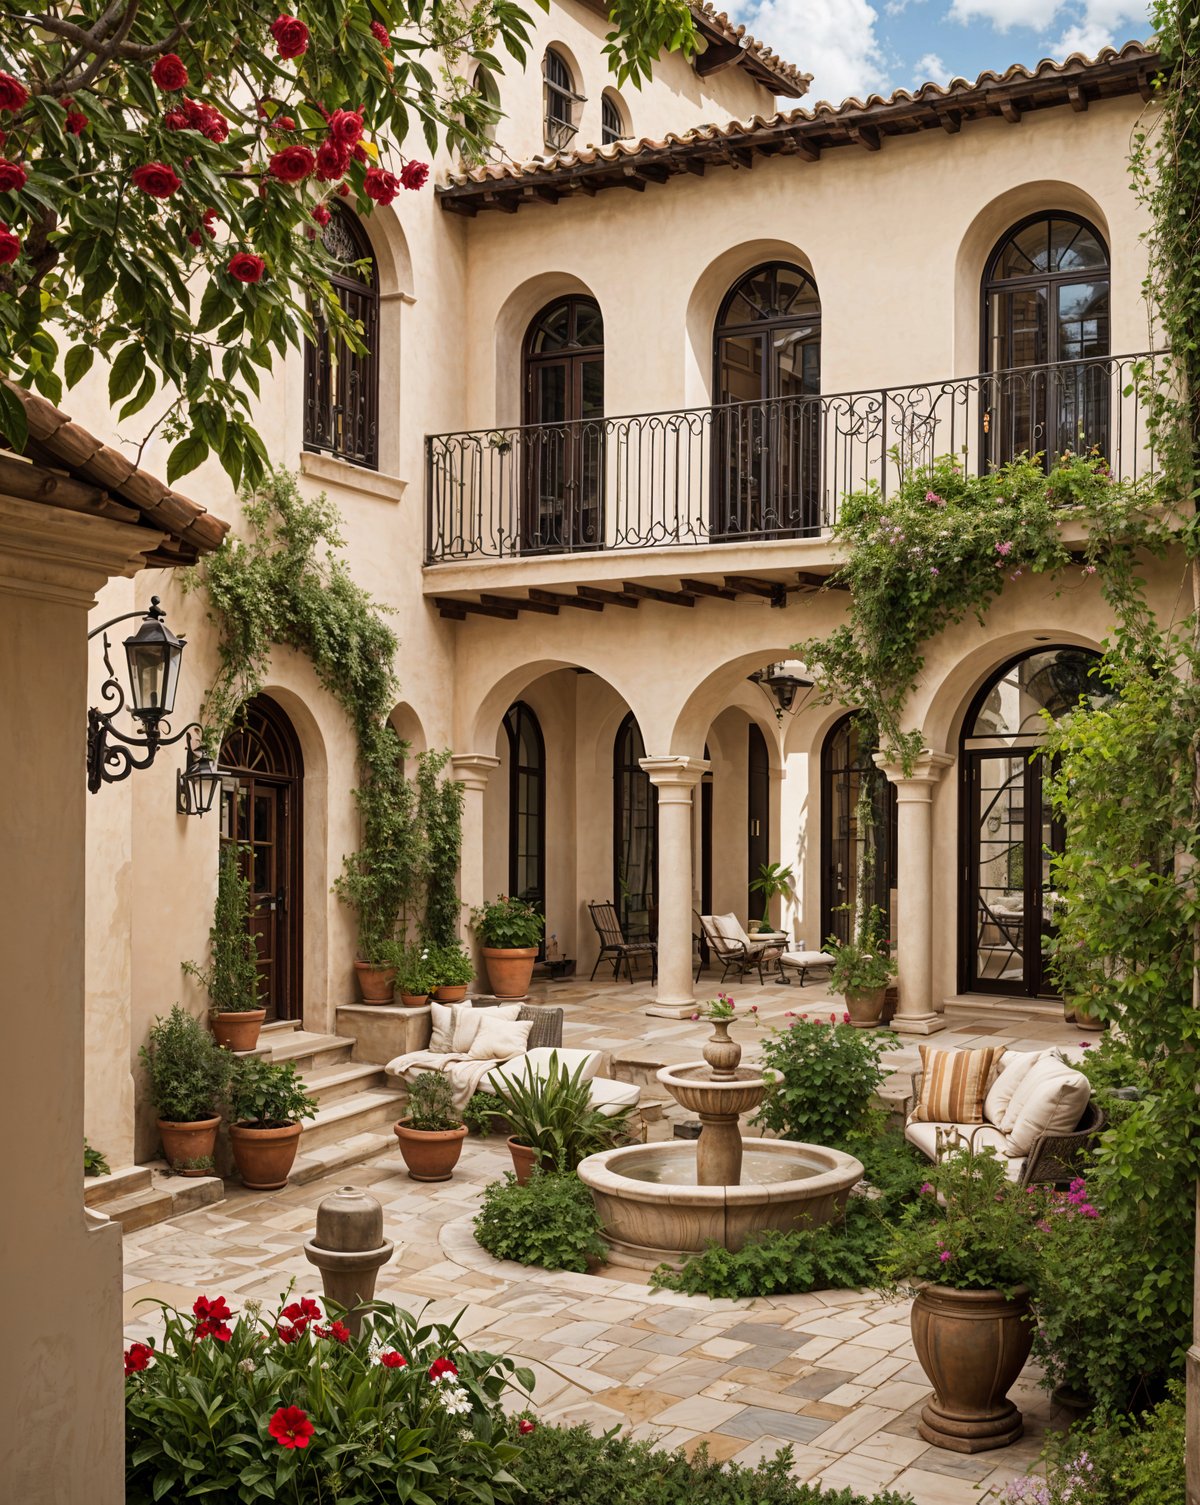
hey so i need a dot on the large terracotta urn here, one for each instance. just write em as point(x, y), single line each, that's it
point(509, 969)
point(430, 1155)
point(238, 1031)
point(264, 1157)
point(865, 1006)
point(376, 984)
point(189, 1148)
point(972, 1345)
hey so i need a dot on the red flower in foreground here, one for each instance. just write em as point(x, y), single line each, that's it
point(302, 1312)
point(291, 1427)
point(287, 1334)
point(211, 1318)
point(12, 176)
point(10, 246)
point(169, 73)
point(246, 267)
point(13, 94)
point(380, 32)
point(293, 164)
point(291, 36)
point(442, 1369)
point(346, 127)
point(525, 1426)
point(380, 185)
point(195, 115)
point(338, 1331)
point(156, 179)
point(414, 174)
point(332, 161)
point(137, 1357)
point(76, 121)
point(321, 215)
point(390, 1359)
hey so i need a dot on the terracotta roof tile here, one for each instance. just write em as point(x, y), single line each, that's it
point(787, 78)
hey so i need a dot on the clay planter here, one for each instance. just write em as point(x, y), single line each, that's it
point(510, 969)
point(413, 1000)
point(376, 984)
point(191, 1141)
point(972, 1345)
point(430, 1155)
point(450, 992)
point(524, 1159)
point(1088, 1021)
point(865, 1006)
point(264, 1156)
point(238, 1031)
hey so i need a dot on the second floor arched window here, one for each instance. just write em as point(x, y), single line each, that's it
point(341, 386)
point(561, 101)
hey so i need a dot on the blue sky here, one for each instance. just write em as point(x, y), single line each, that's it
point(855, 47)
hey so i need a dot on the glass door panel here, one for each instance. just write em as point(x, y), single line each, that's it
point(997, 866)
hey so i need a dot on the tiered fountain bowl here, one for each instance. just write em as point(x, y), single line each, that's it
point(664, 1202)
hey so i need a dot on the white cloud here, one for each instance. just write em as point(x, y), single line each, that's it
point(834, 40)
point(1087, 37)
point(1005, 14)
point(930, 69)
point(1087, 25)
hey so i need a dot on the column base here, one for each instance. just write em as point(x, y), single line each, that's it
point(918, 1024)
point(668, 1010)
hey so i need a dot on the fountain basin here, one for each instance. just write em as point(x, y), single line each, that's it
point(695, 1088)
point(652, 1211)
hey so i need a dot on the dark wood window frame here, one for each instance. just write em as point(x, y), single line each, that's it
point(626, 765)
point(341, 387)
point(834, 920)
point(561, 101)
point(518, 717)
point(612, 120)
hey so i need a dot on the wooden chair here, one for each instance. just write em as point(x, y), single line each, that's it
point(613, 943)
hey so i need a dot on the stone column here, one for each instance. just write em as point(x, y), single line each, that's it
point(674, 778)
point(912, 927)
point(471, 771)
point(61, 1387)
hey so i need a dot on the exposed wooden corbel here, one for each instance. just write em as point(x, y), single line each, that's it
point(652, 593)
point(866, 135)
point(518, 603)
point(707, 588)
point(609, 598)
point(556, 598)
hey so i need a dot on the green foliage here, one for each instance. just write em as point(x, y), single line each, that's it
point(416, 973)
point(439, 815)
point(267, 1095)
point(551, 1113)
point(864, 962)
point(188, 1071)
point(451, 965)
point(94, 1162)
point(231, 977)
point(573, 1466)
point(773, 879)
point(550, 1222)
point(197, 1417)
point(892, 1168)
point(482, 1108)
point(431, 1104)
point(505, 923)
point(821, 1076)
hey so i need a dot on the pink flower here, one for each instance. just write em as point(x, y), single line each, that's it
point(1004, 548)
point(933, 570)
point(926, 1188)
point(695, 1017)
point(845, 1018)
point(525, 1426)
point(934, 500)
point(754, 1008)
point(1089, 569)
point(945, 1256)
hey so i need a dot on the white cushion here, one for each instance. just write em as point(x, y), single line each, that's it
point(441, 1040)
point(806, 959)
point(467, 1022)
point(538, 1060)
point(1017, 1065)
point(1044, 1069)
point(499, 1039)
point(610, 1096)
point(1054, 1108)
point(980, 1136)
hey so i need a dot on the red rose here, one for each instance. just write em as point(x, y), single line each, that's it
point(177, 119)
point(137, 1357)
point(414, 174)
point(13, 93)
point(442, 1369)
point(10, 246)
point(359, 152)
point(525, 1426)
point(390, 1359)
point(291, 1427)
point(207, 119)
point(284, 123)
point(346, 127)
point(332, 161)
point(343, 190)
point(12, 176)
point(169, 73)
point(155, 179)
point(321, 215)
point(380, 32)
point(76, 122)
point(293, 164)
point(197, 236)
point(291, 36)
point(380, 185)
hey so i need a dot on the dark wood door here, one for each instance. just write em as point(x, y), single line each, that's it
point(758, 811)
point(562, 501)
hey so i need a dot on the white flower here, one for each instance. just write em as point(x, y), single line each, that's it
point(252, 1308)
point(454, 1399)
point(247, 1366)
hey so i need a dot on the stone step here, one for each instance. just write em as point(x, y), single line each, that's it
point(1003, 1007)
point(372, 1110)
point(166, 1197)
point(280, 1026)
point(324, 1160)
point(125, 1181)
point(305, 1049)
point(330, 1083)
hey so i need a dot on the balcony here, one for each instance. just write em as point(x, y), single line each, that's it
point(755, 474)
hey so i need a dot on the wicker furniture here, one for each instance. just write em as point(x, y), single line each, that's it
point(737, 952)
point(547, 1026)
point(613, 943)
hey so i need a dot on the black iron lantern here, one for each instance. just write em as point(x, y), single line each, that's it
point(197, 783)
point(782, 685)
point(153, 654)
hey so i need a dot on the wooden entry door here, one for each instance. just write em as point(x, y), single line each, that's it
point(260, 812)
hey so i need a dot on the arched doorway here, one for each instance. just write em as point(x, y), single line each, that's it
point(260, 810)
point(845, 762)
point(526, 806)
point(562, 500)
point(1009, 830)
point(767, 427)
point(635, 834)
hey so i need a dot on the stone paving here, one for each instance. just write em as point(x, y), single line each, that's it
point(832, 1374)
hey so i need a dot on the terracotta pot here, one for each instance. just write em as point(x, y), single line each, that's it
point(413, 1000)
point(1068, 1012)
point(972, 1345)
point(510, 969)
point(524, 1158)
point(1088, 1021)
point(238, 1031)
point(264, 1156)
point(189, 1142)
point(451, 992)
point(722, 1053)
point(376, 984)
point(430, 1155)
point(865, 1006)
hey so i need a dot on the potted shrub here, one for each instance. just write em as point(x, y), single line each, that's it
point(774, 880)
point(454, 970)
point(188, 1073)
point(376, 881)
point(266, 1103)
point(231, 977)
point(862, 968)
point(970, 1244)
point(553, 1124)
point(416, 976)
point(509, 931)
point(431, 1134)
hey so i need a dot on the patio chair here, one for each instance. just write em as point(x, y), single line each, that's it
point(613, 943)
point(1010, 928)
point(735, 950)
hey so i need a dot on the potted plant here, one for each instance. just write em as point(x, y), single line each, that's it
point(553, 1124)
point(231, 977)
point(376, 881)
point(266, 1103)
point(188, 1073)
point(862, 968)
point(969, 1242)
point(454, 970)
point(774, 880)
point(509, 931)
point(416, 975)
point(431, 1134)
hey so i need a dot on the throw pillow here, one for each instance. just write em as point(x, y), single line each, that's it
point(1055, 1106)
point(1044, 1069)
point(499, 1039)
point(954, 1084)
point(1017, 1066)
point(467, 1022)
point(441, 1041)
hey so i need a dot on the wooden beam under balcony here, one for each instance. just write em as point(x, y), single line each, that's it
point(652, 593)
point(607, 598)
point(457, 610)
point(746, 585)
point(707, 588)
point(556, 598)
point(520, 603)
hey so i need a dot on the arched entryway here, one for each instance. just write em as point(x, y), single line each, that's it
point(635, 835)
point(526, 806)
point(845, 762)
point(1009, 831)
point(261, 811)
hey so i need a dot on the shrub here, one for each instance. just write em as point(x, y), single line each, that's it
point(451, 965)
point(892, 1169)
point(416, 973)
point(95, 1162)
point(268, 1095)
point(481, 1110)
point(551, 1112)
point(506, 923)
point(550, 1222)
point(431, 1104)
point(280, 1407)
point(824, 1073)
point(188, 1070)
point(231, 977)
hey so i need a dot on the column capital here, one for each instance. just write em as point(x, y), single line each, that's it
point(675, 772)
point(927, 769)
point(472, 769)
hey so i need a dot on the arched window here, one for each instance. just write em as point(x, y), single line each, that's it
point(845, 762)
point(526, 806)
point(1046, 339)
point(635, 834)
point(612, 120)
point(1010, 832)
point(766, 432)
point(341, 387)
point(561, 101)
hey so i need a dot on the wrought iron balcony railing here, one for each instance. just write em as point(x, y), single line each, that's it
point(754, 471)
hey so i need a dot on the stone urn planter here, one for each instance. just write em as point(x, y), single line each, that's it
point(972, 1345)
point(376, 984)
point(239, 1031)
point(1088, 1022)
point(186, 1144)
point(510, 969)
point(450, 993)
point(264, 1157)
point(865, 1006)
point(722, 1054)
point(430, 1155)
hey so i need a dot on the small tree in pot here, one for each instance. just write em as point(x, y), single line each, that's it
point(431, 1135)
point(509, 931)
point(231, 977)
point(862, 969)
point(267, 1101)
point(189, 1074)
point(454, 970)
point(773, 881)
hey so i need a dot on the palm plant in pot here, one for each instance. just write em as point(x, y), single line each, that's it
point(431, 1134)
point(862, 969)
point(773, 881)
point(231, 977)
point(551, 1119)
point(267, 1102)
point(189, 1074)
point(454, 970)
point(509, 932)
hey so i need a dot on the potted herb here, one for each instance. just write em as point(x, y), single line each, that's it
point(552, 1120)
point(231, 977)
point(266, 1103)
point(969, 1244)
point(862, 968)
point(485, 1114)
point(432, 1133)
point(454, 970)
point(188, 1074)
point(416, 976)
point(509, 931)
point(774, 880)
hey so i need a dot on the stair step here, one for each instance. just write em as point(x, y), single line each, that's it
point(306, 1049)
point(280, 1026)
point(123, 1182)
point(329, 1083)
point(324, 1160)
point(166, 1197)
point(1004, 1006)
point(375, 1108)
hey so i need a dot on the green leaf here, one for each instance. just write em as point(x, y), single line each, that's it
point(78, 363)
point(13, 422)
point(126, 372)
point(186, 456)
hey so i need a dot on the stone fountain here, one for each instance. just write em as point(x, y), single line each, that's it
point(667, 1201)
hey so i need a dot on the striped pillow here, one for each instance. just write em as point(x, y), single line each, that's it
point(954, 1084)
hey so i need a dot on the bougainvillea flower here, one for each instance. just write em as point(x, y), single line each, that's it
point(291, 1427)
